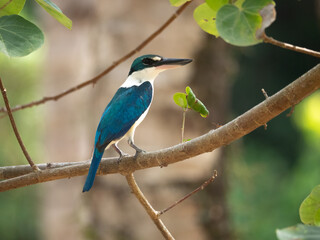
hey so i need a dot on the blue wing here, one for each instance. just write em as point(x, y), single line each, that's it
point(125, 108)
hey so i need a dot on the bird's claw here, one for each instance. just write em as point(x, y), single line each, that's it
point(123, 155)
point(139, 151)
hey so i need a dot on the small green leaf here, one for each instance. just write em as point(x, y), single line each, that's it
point(178, 3)
point(18, 36)
point(9, 8)
point(181, 100)
point(216, 4)
point(309, 209)
point(55, 12)
point(191, 98)
point(299, 232)
point(205, 16)
point(199, 107)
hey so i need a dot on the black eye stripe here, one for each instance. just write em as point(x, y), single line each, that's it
point(148, 61)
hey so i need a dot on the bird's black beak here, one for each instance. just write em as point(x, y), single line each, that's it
point(167, 63)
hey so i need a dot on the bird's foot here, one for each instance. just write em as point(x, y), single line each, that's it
point(122, 155)
point(138, 151)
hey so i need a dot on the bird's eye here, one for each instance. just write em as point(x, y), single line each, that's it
point(148, 61)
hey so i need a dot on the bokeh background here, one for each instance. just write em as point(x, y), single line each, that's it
point(263, 177)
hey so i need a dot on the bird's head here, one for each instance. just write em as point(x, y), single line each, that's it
point(149, 66)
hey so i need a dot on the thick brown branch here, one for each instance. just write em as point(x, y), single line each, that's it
point(289, 46)
point(224, 135)
point(106, 71)
point(15, 129)
point(154, 215)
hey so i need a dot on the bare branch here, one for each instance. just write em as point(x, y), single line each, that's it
point(154, 215)
point(95, 79)
point(242, 125)
point(15, 129)
point(289, 46)
point(203, 185)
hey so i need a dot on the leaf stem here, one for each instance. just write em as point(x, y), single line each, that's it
point(183, 123)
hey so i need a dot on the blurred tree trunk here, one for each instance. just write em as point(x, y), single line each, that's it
point(211, 81)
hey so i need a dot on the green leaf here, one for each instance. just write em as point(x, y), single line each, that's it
point(191, 98)
point(178, 3)
point(205, 16)
point(216, 4)
point(299, 232)
point(195, 104)
point(9, 8)
point(317, 218)
point(181, 100)
point(309, 209)
point(18, 36)
point(199, 107)
point(237, 26)
point(55, 12)
point(254, 6)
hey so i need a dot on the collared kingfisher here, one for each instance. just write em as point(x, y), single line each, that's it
point(128, 108)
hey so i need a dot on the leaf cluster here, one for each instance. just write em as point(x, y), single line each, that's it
point(239, 23)
point(189, 100)
point(18, 36)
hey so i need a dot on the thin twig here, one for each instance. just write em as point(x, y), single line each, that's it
point(252, 119)
point(289, 46)
point(107, 70)
point(6, 4)
point(266, 96)
point(291, 111)
point(203, 185)
point(154, 215)
point(14, 127)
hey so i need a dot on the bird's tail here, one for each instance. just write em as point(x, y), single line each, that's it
point(92, 170)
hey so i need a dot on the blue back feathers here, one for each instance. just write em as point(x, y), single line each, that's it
point(125, 108)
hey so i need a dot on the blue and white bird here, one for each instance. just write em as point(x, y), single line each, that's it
point(128, 108)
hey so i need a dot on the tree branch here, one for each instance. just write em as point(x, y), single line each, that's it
point(203, 185)
point(95, 79)
point(15, 129)
point(154, 215)
point(289, 46)
point(224, 135)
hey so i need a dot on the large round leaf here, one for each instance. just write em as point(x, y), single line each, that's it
point(238, 26)
point(18, 36)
